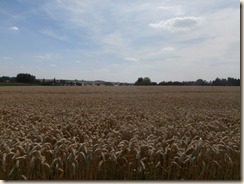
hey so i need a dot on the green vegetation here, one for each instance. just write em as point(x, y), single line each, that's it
point(199, 82)
point(144, 81)
point(22, 79)
point(25, 79)
point(18, 84)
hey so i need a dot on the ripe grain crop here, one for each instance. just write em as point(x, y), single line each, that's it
point(120, 133)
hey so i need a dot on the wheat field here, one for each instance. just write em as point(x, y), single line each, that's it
point(120, 133)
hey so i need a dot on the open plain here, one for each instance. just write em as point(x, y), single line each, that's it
point(120, 133)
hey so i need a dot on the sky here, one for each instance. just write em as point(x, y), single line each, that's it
point(120, 40)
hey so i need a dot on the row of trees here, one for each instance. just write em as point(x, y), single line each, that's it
point(25, 77)
point(28, 78)
point(21, 77)
point(200, 82)
point(7, 79)
point(31, 79)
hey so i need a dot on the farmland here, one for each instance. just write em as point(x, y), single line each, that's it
point(120, 133)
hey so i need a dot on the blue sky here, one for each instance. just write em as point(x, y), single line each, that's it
point(120, 40)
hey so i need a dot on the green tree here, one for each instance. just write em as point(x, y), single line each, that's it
point(139, 81)
point(146, 81)
point(25, 78)
point(143, 81)
point(200, 82)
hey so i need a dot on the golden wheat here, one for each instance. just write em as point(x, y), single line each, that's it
point(120, 133)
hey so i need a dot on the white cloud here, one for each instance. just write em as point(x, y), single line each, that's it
point(167, 7)
point(115, 39)
point(45, 57)
point(168, 49)
point(177, 10)
point(53, 34)
point(131, 59)
point(75, 13)
point(178, 24)
point(13, 28)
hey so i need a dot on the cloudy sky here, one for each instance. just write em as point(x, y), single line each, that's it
point(120, 40)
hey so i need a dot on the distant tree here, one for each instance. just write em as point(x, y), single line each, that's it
point(25, 78)
point(233, 81)
point(200, 82)
point(146, 81)
point(216, 82)
point(143, 81)
point(170, 83)
point(162, 83)
point(5, 79)
point(154, 83)
point(177, 83)
point(108, 84)
point(219, 82)
point(63, 82)
point(139, 81)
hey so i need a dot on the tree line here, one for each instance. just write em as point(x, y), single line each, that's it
point(28, 78)
point(199, 82)
point(21, 78)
